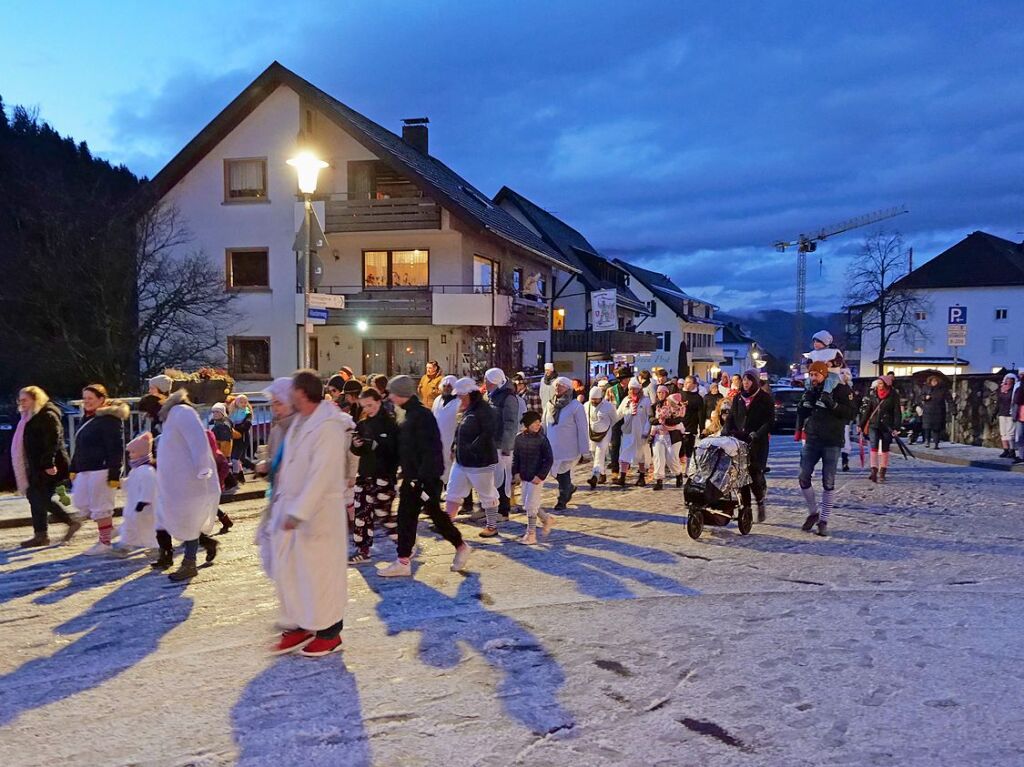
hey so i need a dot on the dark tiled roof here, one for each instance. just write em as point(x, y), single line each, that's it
point(438, 180)
point(977, 261)
point(734, 334)
point(667, 291)
point(574, 247)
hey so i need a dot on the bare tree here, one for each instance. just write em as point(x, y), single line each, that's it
point(887, 308)
point(183, 308)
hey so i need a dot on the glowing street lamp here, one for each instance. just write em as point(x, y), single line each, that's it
point(307, 167)
point(362, 326)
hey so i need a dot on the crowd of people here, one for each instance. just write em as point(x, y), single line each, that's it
point(356, 463)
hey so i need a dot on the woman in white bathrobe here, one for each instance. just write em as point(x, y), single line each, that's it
point(188, 490)
point(635, 412)
point(308, 524)
point(446, 412)
point(565, 425)
point(601, 417)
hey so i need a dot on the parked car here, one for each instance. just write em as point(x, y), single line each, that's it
point(786, 401)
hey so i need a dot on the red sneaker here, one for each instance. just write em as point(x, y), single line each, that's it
point(320, 646)
point(292, 640)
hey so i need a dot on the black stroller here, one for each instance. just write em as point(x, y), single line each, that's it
point(716, 472)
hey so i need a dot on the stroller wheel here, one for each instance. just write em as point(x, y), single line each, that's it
point(694, 522)
point(745, 519)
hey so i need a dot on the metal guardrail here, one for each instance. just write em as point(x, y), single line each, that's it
point(138, 422)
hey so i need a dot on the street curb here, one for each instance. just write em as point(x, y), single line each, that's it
point(247, 495)
point(957, 461)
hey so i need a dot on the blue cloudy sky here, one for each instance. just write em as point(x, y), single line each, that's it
point(684, 136)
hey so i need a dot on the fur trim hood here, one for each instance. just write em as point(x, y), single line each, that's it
point(115, 408)
point(179, 397)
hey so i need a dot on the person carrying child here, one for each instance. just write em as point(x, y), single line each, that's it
point(532, 460)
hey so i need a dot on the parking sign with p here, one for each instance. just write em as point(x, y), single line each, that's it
point(958, 315)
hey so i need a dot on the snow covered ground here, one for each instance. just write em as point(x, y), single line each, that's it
point(619, 642)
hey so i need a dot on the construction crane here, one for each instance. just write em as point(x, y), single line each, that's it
point(809, 243)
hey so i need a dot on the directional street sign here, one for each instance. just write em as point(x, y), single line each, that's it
point(958, 315)
point(316, 315)
point(325, 301)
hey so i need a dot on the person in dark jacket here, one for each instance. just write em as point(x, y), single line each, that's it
point(40, 463)
point(825, 416)
point(693, 420)
point(97, 461)
point(532, 460)
point(1004, 412)
point(476, 455)
point(880, 417)
point(419, 456)
point(240, 414)
point(751, 420)
point(508, 409)
point(933, 419)
point(376, 443)
point(618, 390)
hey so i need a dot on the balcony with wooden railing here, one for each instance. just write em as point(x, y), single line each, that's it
point(619, 341)
point(380, 215)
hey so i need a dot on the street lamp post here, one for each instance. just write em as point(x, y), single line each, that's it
point(307, 167)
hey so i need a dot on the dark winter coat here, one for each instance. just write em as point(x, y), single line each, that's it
point(531, 456)
point(825, 416)
point(753, 423)
point(883, 414)
point(693, 421)
point(99, 441)
point(509, 409)
point(1005, 402)
point(934, 406)
point(378, 455)
point(44, 448)
point(419, 444)
point(1018, 403)
point(475, 436)
point(240, 446)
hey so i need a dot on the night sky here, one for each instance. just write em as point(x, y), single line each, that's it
point(685, 137)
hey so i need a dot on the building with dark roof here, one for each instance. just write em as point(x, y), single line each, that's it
point(980, 278)
point(428, 266)
point(577, 348)
point(740, 350)
point(685, 325)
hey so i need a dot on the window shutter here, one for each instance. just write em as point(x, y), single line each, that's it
point(668, 341)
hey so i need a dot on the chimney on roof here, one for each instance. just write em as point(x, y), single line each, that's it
point(415, 133)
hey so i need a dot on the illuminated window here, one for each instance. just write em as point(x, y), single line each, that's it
point(395, 356)
point(245, 180)
point(396, 268)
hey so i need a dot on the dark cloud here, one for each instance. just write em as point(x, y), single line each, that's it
point(681, 137)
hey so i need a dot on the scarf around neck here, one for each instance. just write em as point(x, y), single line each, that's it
point(18, 460)
point(557, 403)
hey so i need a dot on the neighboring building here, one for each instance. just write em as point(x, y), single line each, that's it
point(429, 267)
point(740, 351)
point(985, 275)
point(577, 349)
point(684, 325)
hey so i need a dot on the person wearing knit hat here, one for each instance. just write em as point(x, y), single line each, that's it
point(825, 417)
point(933, 410)
point(601, 417)
point(667, 413)
point(547, 384)
point(336, 389)
point(446, 411)
point(160, 385)
point(635, 413)
point(220, 425)
point(420, 458)
point(880, 417)
point(565, 424)
point(138, 525)
point(509, 409)
point(694, 418)
point(751, 420)
point(821, 339)
point(531, 462)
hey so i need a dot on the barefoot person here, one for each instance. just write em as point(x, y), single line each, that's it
point(307, 525)
point(825, 415)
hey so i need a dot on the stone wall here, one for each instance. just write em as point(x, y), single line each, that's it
point(976, 405)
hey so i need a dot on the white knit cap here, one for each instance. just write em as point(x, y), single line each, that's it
point(824, 336)
point(495, 376)
point(563, 381)
point(279, 389)
point(634, 384)
point(219, 407)
point(449, 380)
point(549, 365)
point(161, 383)
point(465, 386)
point(596, 393)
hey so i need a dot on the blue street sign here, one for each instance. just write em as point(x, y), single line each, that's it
point(958, 315)
point(315, 313)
